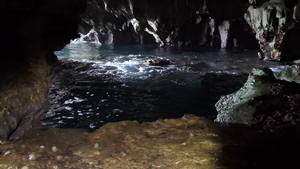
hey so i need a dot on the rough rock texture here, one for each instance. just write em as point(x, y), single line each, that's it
point(186, 143)
point(23, 98)
point(271, 20)
point(190, 23)
point(235, 108)
point(33, 30)
point(181, 23)
point(268, 100)
point(189, 142)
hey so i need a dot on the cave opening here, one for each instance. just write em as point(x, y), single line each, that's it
point(149, 84)
point(137, 61)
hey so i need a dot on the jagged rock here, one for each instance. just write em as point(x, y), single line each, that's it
point(288, 73)
point(268, 100)
point(235, 108)
point(153, 22)
point(270, 20)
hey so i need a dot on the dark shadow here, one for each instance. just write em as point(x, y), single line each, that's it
point(248, 148)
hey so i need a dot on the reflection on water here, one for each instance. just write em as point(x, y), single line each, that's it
point(94, 85)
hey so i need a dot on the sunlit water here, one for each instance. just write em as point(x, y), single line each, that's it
point(95, 85)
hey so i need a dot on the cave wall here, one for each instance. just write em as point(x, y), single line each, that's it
point(271, 21)
point(31, 31)
point(244, 24)
point(180, 23)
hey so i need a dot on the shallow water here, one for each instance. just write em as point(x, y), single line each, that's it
point(95, 85)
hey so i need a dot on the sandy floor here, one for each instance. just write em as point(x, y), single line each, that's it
point(186, 143)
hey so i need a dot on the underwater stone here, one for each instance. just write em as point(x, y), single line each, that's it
point(158, 62)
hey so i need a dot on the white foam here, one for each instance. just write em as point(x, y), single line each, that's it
point(74, 100)
point(68, 108)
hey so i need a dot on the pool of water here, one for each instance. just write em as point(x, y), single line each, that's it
point(94, 85)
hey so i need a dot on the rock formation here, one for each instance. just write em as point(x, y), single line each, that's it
point(271, 20)
point(187, 23)
point(268, 100)
point(193, 23)
point(32, 31)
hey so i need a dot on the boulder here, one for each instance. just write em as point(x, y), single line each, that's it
point(268, 100)
point(236, 107)
point(159, 62)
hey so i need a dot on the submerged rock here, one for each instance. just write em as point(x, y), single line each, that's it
point(158, 62)
point(268, 100)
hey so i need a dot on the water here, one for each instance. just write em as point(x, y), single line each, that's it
point(94, 85)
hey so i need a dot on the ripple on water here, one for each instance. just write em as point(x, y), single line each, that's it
point(95, 85)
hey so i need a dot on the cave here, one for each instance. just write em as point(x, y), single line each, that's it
point(145, 84)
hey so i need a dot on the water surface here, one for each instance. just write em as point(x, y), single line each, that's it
point(94, 85)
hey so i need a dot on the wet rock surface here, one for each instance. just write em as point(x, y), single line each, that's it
point(189, 142)
point(158, 62)
point(268, 100)
point(235, 108)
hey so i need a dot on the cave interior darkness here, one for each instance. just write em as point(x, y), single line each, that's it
point(149, 84)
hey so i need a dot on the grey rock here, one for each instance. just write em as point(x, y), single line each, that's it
point(268, 100)
point(235, 108)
